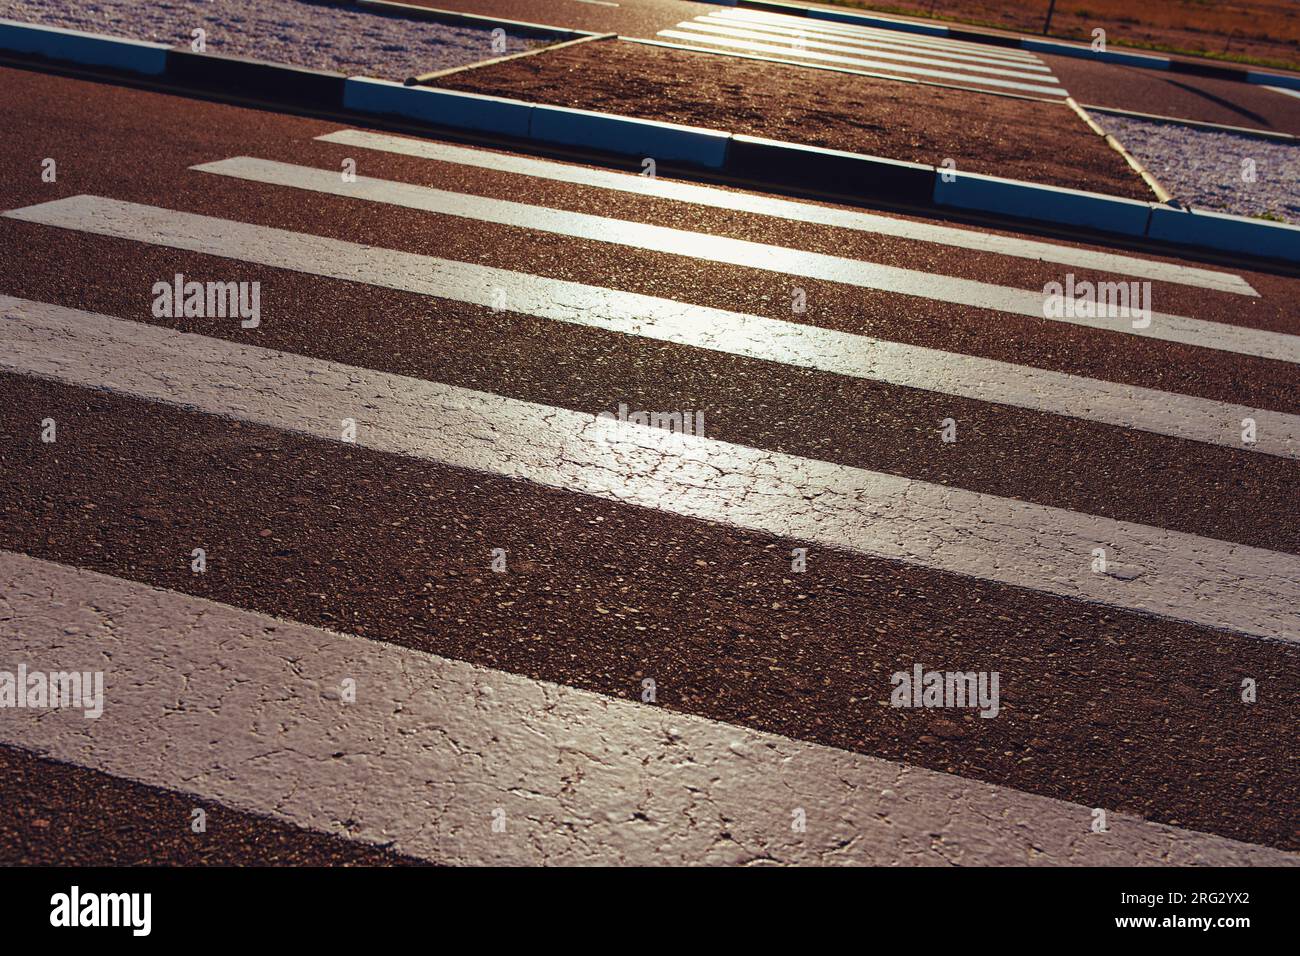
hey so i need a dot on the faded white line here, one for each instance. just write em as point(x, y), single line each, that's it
point(737, 252)
point(1176, 575)
point(1283, 90)
point(245, 710)
point(987, 55)
point(880, 65)
point(734, 333)
point(803, 44)
point(885, 38)
point(928, 40)
point(795, 211)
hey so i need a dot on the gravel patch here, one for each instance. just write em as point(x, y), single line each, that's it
point(981, 133)
point(1212, 169)
point(297, 32)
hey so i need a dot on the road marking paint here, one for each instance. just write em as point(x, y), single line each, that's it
point(865, 31)
point(659, 41)
point(243, 709)
point(795, 211)
point(856, 30)
point(1283, 90)
point(743, 253)
point(803, 44)
point(895, 41)
point(950, 56)
point(733, 333)
point(752, 46)
point(1172, 574)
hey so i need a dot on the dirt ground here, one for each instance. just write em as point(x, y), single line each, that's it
point(1004, 136)
point(1264, 32)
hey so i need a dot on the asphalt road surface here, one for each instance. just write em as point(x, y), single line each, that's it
point(1185, 96)
point(1180, 95)
point(374, 572)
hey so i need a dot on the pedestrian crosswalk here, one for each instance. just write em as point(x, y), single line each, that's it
point(766, 593)
point(870, 49)
point(772, 340)
point(1192, 579)
point(569, 777)
point(133, 222)
point(792, 211)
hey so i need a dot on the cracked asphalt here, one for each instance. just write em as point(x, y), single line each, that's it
point(525, 690)
point(430, 750)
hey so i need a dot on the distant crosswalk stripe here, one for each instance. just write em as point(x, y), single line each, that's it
point(894, 42)
point(795, 211)
point(752, 46)
point(805, 43)
point(1172, 574)
point(861, 30)
point(736, 252)
point(862, 34)
point(859, 33)
point(576, 777)
point(774, 340)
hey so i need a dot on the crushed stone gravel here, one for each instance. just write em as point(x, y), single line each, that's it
point(318, 35)
point(1214, 169)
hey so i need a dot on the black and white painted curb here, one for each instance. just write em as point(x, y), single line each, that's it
point(1150, 61)
point(763, 162)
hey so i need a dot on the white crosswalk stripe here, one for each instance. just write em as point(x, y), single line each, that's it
point(773, 340)
point(876, 65)
point(723, 249)
point(1181, 576)
point(852, 30)
point(262, 729)
point(796, 211)
point(1025, 74)
point(551, 755)
point(874, 50)
point(880, 40)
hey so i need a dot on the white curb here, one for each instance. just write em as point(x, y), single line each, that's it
point(1071, 207)
point(1216, 230)
point(488, 114)
point(90, 49)
point(629, 135)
